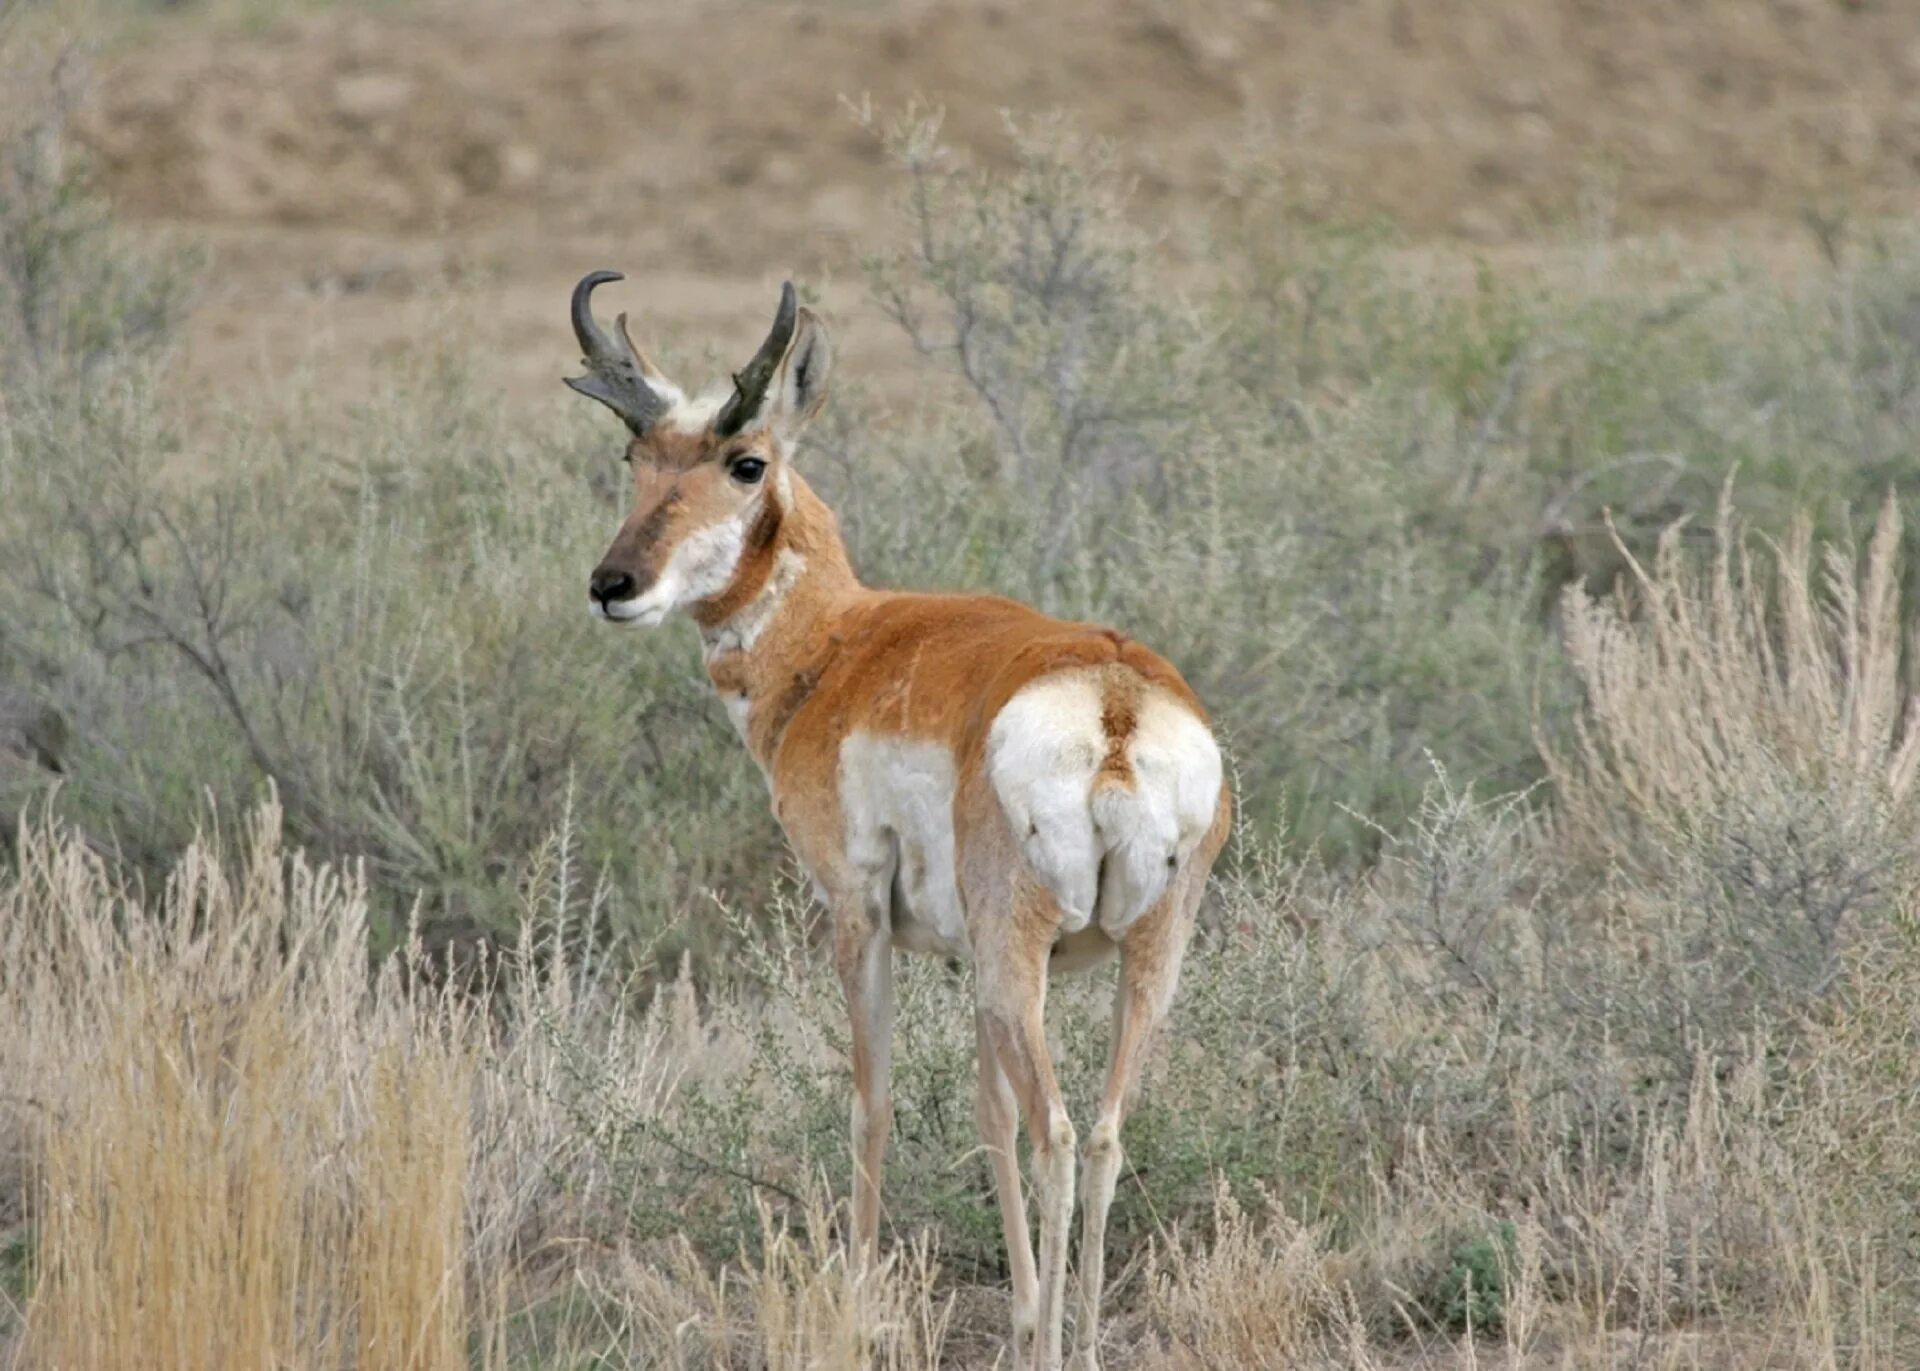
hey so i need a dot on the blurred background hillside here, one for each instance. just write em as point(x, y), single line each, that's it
point(347, 160)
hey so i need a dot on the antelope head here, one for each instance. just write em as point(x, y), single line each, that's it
point(710, 477)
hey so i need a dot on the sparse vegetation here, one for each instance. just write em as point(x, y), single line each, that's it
point(1559, 991)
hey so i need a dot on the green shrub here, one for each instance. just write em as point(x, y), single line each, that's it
point(1472, 1294)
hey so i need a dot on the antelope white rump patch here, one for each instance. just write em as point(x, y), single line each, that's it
point(1149, 829)
point(1042, 752)
point(1110, 853)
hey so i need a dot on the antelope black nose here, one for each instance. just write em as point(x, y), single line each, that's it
point(610, 585)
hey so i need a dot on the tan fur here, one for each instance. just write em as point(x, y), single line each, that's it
point(1119, 714)
point(831, 658)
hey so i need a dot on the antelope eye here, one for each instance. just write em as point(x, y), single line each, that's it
point(747, 470)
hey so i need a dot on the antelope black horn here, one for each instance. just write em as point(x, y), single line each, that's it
point(750, 382)
point(613, 370)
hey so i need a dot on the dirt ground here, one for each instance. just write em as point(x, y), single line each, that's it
point(364, 175)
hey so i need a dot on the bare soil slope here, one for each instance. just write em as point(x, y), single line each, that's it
point(715, 131)
point(707, 145)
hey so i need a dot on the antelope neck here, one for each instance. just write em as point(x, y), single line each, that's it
point(767, 636)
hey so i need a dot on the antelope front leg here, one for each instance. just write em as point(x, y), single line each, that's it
point(863, 955)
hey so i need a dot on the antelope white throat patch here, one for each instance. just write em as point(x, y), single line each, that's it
point(743, 630)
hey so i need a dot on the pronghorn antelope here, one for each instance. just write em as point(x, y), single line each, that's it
point(959, 774)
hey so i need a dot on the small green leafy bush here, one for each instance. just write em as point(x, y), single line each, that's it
point(1472, 1293)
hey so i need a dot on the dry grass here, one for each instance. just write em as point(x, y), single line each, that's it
point(1715, 1252)
point(796, 1306)
point(1265, 1294)
point(244, 1150)
point(247, 1155)
point(1763, 675)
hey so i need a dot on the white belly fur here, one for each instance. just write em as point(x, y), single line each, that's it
point(897, 796)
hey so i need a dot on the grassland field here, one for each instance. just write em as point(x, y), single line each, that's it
point(1505, 414)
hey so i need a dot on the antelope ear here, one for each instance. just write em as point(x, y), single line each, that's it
point(800, 388)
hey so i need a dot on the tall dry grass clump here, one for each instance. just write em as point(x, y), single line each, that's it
point(1737, 817)
point(797, 1305)
point(1743, 770)
point(248, 1153)
point(235, 1141)
point(1763, 678)
point(1265, 1293)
